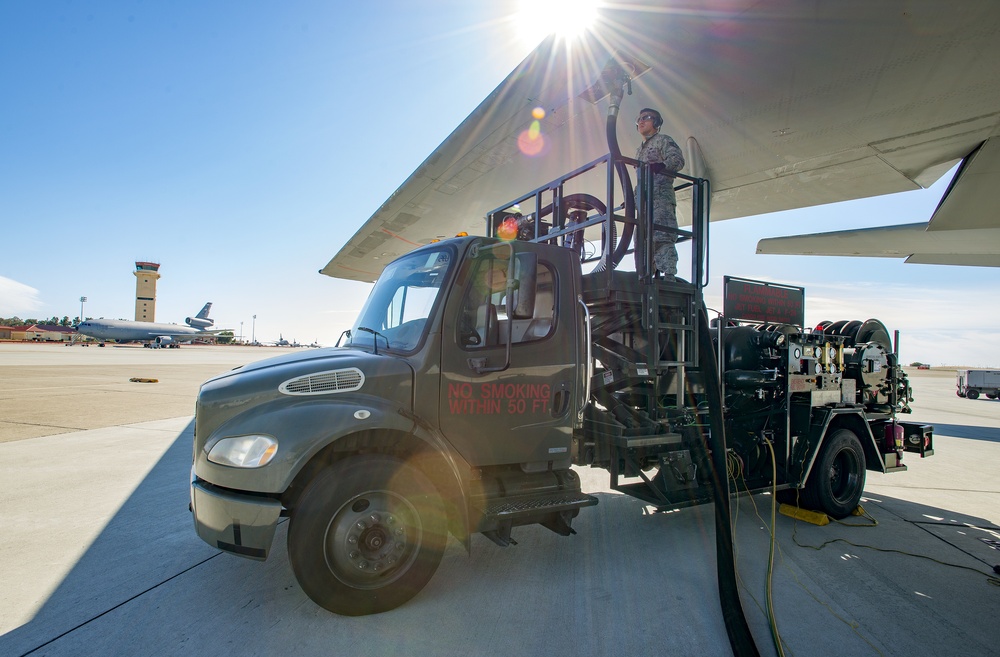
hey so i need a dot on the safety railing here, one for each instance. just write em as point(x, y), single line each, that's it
point(564, 212)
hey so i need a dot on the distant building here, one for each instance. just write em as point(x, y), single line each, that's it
point(38, 333)
point(146, 275)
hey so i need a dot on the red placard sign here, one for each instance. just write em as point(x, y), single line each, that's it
point(759, 301)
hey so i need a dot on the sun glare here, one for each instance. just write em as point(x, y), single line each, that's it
point(536, 19)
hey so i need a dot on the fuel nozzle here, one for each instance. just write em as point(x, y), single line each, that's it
point(615, 79)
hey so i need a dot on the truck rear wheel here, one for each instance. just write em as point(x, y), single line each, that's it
point(838, 476)
point(367, 535)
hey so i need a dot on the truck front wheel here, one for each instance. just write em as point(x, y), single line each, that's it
point(838, 476)
point(972, 394)
point(367, 535)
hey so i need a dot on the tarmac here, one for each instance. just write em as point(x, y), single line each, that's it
point(98, 554)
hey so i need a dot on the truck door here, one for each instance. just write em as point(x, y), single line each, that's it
point(523, 413)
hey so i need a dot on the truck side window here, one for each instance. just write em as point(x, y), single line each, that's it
point(483, 319)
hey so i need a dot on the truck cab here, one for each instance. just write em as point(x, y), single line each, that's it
point(462, 381)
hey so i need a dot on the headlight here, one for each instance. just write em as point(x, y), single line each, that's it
point(244, 451)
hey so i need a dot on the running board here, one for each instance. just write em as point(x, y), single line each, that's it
point(554, 511)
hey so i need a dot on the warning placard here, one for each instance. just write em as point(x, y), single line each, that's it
point(759, 301)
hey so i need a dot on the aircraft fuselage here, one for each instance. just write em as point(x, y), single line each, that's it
point(124, 330)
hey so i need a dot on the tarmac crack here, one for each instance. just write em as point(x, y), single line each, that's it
point(37, 424)
point(120, 604)
point(920, 525)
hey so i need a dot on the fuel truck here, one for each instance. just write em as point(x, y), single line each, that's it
point(483, 371)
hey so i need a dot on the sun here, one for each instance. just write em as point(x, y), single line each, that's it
point(536, 19)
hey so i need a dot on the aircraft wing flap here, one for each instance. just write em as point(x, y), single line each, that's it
point(973, 189)
point(910, 152)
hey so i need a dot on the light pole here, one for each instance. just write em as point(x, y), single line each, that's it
point(253, 331)
point(241, 332)
point(83, 300)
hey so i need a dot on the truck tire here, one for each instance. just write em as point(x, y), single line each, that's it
point(837, 479)
point(367, 535)
point(972, 394)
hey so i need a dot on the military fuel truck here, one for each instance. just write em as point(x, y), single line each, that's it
point(483, 372)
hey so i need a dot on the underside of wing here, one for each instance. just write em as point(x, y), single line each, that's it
point(781, 105)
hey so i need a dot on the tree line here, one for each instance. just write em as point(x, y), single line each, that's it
point(52, 321)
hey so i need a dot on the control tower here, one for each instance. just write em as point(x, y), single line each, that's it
point(146, 275)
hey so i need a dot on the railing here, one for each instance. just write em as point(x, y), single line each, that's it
point(591, 211)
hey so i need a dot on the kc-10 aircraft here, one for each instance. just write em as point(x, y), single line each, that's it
point(152, 334)
point(781, 104)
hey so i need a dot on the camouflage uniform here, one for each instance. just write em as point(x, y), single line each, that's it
point(662, 149)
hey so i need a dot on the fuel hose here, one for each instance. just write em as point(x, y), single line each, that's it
point(740, 638)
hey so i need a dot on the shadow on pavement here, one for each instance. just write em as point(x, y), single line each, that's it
point(989, 434)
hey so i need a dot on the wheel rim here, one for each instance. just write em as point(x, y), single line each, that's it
point(844, 476)
point(372, 539)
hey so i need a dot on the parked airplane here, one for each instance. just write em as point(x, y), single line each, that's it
point(781, 105)
point(282, 342)
point(152, 334)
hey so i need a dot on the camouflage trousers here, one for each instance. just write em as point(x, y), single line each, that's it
point(664, 249)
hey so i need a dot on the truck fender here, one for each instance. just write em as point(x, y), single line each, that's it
point(314, 432)
point(806, 450)
point(303, 429)
point(398, 431)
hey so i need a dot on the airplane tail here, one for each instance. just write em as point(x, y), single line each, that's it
point(201, 320)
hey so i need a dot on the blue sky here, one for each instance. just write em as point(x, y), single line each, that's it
point(241, 144)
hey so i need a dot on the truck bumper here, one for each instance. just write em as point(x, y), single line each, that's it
point(236, 523)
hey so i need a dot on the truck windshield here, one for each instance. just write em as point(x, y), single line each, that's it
point(396, 313)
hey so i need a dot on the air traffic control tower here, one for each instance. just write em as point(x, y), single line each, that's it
point(146, 275)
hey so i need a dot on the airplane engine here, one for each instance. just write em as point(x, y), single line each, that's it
point(163, 341)
point(198, 322)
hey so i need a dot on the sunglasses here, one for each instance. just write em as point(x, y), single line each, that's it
point(646, 117)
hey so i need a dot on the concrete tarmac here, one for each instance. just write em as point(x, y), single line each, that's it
point(98, 555)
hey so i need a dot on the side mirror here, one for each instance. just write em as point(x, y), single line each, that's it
point(522, 282)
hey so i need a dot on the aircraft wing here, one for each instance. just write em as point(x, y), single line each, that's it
point(962, 231)
point(781, 104)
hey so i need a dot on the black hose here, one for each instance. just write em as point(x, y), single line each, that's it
point(620, 249)
point(740, 638)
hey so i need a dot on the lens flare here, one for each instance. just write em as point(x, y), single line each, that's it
point(507, 230)
point(531, 142)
